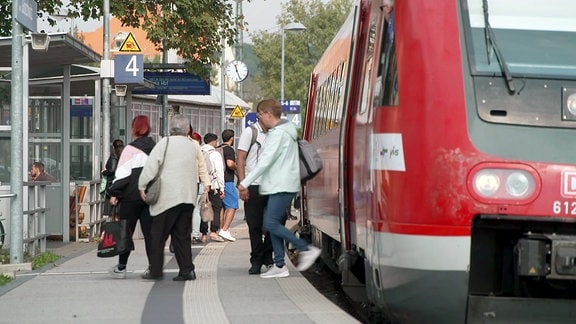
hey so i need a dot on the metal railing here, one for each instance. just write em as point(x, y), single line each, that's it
point(93, 202)
point(35, 210)
point(34, 217)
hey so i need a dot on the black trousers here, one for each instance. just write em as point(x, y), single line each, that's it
point(261, 249)
point(135, 211)
point(177, 223)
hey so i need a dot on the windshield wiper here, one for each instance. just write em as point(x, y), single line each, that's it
point(491, 44)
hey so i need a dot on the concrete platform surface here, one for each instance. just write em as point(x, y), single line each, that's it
point(79, 289)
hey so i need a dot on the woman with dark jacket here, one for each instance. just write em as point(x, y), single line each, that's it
point(124, 189)
point(110, 171)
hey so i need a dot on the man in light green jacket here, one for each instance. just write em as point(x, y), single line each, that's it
point(279, 169)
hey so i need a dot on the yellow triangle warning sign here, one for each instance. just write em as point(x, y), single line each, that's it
point(237, 112)
point(130, 44)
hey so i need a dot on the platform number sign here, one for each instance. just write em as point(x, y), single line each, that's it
point(296, 119)
point(129, 68)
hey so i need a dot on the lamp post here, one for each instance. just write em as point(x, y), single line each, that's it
point(293, 26)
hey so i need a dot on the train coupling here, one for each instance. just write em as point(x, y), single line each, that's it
point(547, 255)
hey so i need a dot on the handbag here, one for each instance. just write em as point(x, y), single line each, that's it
point(153, 187)
point(115, 239)
point(206, 211)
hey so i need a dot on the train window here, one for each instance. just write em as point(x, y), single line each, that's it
point(386, 90)
point(532, 39)
point(366, 83)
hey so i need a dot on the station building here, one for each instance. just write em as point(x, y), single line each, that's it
point(63, 126)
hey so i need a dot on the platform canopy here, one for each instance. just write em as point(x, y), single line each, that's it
point(63, 49)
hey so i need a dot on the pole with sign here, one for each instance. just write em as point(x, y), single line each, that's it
point(129, 68)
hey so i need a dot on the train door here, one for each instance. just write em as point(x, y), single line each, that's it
point(363, 186)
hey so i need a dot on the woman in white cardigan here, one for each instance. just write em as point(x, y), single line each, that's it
point(172, 213)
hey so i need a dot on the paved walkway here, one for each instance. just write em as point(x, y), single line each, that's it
point(78, 289)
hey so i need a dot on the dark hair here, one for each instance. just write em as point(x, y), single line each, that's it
point(209, 137)
point(191, 131)
point(38, 165)
point(140, 126)
point(227, 134)
point(118, 143)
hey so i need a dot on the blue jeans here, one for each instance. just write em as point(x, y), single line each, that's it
point(273, 222)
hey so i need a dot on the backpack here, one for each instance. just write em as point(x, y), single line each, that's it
point(254, 137)
point(209, 166)
point(220, 150)
point(310, 160)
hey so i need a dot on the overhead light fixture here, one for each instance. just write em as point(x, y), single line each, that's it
point(120, 89)
point(40, 41)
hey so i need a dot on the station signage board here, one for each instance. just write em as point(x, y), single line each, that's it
point(290, 106)
point(129, 69)
point(27, 14)
point(181, 83)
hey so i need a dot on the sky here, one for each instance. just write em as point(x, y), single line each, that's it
point(259, 14)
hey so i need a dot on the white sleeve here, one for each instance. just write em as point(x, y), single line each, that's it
point(218, 164)
point(245, 139)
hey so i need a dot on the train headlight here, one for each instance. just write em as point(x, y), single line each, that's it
point(518, 184)
point(486, 183)
point(571, 103)
point(503, 183)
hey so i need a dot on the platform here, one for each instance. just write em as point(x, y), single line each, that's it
point(80, 290)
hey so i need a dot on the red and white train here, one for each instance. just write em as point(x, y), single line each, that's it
point(448, 136)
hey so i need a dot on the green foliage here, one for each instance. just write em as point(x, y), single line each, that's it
point(4, 279)
point(194, 28)
point(302, 50)
point(43, 259)
point(4, 256)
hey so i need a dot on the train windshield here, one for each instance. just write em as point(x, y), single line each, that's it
point(527, 37)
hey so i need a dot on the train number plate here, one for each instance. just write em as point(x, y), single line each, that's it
point(564, 207)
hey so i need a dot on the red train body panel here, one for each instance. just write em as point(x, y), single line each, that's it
point(448, 189)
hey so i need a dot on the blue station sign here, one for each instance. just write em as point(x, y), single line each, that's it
point(290, 106)
point(182, 83)
point(250, 119)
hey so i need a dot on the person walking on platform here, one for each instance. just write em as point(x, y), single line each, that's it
point(124, 188)
point(230, 201)
point(247, 155)
point(279, 169)
point(109, 172)
point(216, 193)
point(172, 213)
point(196, 215)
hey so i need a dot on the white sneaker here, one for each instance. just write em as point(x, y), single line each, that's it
point(307, 258)
point(226, 235)
point(117, 273)
point(276, 272)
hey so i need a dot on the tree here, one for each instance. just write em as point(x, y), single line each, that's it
point(194, 28)
point(322, 19)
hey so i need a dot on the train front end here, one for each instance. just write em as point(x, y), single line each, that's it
point(465, 117)
point(522, 117)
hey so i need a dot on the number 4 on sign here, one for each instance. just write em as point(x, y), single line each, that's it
point(129, 68)
point(132, 66)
